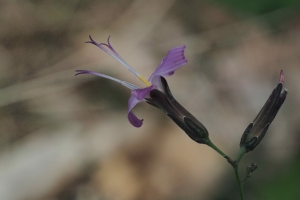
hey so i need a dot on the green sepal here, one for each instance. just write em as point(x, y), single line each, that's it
point(245, 134)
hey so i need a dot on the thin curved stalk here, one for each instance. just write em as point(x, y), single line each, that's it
point(236, 171)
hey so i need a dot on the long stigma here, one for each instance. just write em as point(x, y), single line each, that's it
point(117, 57)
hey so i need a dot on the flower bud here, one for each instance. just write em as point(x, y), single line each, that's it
point(256, 130)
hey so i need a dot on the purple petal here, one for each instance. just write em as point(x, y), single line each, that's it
point(136, 122)
point(173, 60)
point(137, 96)
point(281, 77)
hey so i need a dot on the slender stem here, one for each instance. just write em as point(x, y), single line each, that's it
point(241, 153)
point(240, 184)
point(234, 164)
point(209, 143)
point(236, 171)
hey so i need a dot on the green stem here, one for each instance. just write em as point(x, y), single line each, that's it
point(236, 171)
point(241, 153)
point(234, 164)
point(240, 184)
point(209, 143)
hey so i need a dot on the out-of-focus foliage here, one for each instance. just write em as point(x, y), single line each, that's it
point(258, 7)
point(283, 185)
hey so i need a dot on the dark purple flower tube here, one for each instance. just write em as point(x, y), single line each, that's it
point(256, 130)
point(165, 101)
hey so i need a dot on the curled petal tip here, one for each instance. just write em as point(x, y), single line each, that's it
point(281, 77)
point(136, 122)
point(137, 96)
point(77, 72)
point(82, 72)
point(91, 40)
point(108, 40)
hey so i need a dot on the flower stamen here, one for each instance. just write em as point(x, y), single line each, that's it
point(116, 56)
point(144, 80)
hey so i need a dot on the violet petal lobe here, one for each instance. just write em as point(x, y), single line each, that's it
point(141, 93)
point(136, 122)
point(281, 77)
point(137, 96)
point(173, 60)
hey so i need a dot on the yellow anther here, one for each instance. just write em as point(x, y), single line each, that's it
point(144, 81)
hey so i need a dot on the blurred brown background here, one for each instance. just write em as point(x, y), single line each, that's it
point(68, 138)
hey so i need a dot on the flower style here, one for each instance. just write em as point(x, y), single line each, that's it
point(256, 130)
point(173, 60)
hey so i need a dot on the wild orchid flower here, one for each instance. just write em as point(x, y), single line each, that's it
point(173, 60)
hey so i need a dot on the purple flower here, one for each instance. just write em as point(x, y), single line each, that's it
point(173, 60)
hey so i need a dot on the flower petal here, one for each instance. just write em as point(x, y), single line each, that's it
point(281, 77)
point(173, 60)
point(126, 84)
point(137, 96)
